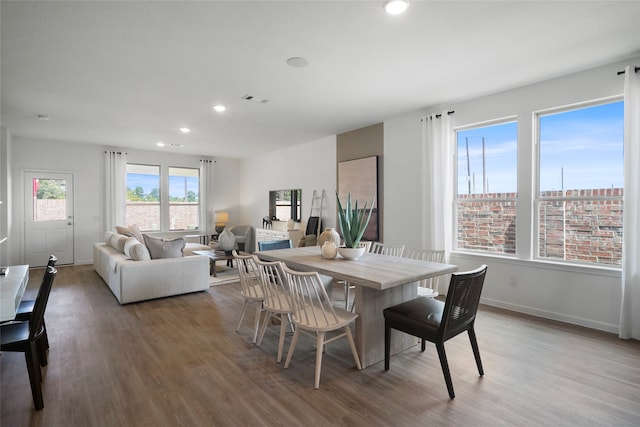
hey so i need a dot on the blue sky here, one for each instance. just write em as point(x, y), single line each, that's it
point(149, 182)
point(579, 149)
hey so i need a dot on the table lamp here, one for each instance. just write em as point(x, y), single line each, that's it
point(221, 219)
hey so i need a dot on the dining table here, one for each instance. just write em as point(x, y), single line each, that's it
point(13, 283)
point(380, 281)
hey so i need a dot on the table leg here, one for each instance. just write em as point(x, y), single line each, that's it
point(370, 322)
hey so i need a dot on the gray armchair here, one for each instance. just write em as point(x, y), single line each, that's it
point(245, 237)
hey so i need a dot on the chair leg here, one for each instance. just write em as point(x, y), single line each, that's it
point(35, 375)
point(319, 347)
point(476, 350)
point(352, 344)
point(263, 329)
point(244, 309)
point(387, 346)
point(292, 347)
point(423, 344)
point(445, 369)
point(283, 330)
point(256, 327)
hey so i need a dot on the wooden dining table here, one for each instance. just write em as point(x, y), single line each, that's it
point(380, 282)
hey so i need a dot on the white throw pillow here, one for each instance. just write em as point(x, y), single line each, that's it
point(128, 244)
point(117, 242)
point(139, 252)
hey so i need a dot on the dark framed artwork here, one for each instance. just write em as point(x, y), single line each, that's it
point(360, 178)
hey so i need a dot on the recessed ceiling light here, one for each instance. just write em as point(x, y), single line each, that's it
point(219, 108)
point(177, 145)
point(160, 144)
point(185, 130)
point(298, 62)
point(396, 7)
point(42, 117)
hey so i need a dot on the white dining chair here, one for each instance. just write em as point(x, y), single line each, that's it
point(382, 249)
point(313, 312)
point(250, 289)
point(427, 287)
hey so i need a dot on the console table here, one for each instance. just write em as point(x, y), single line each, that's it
point(12, 286)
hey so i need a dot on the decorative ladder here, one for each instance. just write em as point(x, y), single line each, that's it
point(314, 201)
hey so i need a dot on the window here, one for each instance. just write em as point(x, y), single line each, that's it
point(580, 186)
point(184, 196)
point(487, 187)
point(49, 199)
point(143, 196)
point(285, 204)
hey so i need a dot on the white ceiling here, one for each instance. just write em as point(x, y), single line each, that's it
point(129, 74)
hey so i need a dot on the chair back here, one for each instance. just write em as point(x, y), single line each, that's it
point(275, 244)
point(52, 261)
point(312, 306)
point(36, 321)
point(249, 275)
point(462, 301)
point(382, 249)
point(431, 256)
point(274, 285)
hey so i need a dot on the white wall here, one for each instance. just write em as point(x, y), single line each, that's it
point(86, 163)
point(580, 295)
point(310, 166)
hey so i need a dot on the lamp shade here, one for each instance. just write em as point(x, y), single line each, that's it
point(221, 217)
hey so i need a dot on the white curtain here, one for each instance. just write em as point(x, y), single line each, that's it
point(207, 169)
point(630, 307)
point(437, 179)
point(115, 165)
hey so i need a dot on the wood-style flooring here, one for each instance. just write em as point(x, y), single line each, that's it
point(179, 362)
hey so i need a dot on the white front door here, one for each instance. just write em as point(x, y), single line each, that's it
point(48, 217)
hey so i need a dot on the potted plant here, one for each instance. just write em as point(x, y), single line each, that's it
point(353, 222)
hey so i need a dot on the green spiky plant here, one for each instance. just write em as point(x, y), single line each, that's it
point(353, 221)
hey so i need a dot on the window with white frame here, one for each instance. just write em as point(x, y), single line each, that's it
point(487, 176)
point(579, 201)
point(184, 198)
point(143, 196)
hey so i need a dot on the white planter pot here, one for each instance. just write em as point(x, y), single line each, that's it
point(351, 253)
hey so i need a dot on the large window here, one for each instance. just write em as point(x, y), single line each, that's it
point(155, 209)
point(487, 177)
point(143, 196)
point(184, 197)
point(580, 185)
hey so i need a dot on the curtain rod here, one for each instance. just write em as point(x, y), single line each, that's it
point(623, 71)
point(448, 114)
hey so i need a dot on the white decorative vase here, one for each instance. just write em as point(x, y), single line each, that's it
point(227, 241)
point(329, 250)
point(351, 253)
point(329, 235)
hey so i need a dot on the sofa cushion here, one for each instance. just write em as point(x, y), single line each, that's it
point(164, 248)
point(139, 252)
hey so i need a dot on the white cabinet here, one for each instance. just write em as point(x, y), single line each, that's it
point(267, 235)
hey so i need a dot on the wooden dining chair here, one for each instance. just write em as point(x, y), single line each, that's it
point(26, 336)
point(277, 300)
point(382, 249)
point(436, 321)
point(313, 312)
point(426, 287)
point(250, 289)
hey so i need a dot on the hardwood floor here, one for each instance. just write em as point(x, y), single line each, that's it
point(179, 362)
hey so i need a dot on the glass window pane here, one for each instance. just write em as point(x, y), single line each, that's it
point(582, 149)
point(184, 197)
point(49, 199)
point(143, 196)
point(488, 159)
point(489, 226)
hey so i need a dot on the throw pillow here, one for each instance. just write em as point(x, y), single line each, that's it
point(164, 248)
point(139, 252)
point(128, 244)
point(107, 237)
point(136, 232)
point(118, 241)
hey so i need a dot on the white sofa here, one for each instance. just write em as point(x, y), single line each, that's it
point(132, 281)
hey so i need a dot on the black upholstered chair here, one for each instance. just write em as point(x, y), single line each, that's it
point(26, 337)
point(274, 244)
point(437, 321)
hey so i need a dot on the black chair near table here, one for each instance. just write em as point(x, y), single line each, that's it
point(26, 337)
point(437, 321)
point(25, 311)
point(274, 244)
